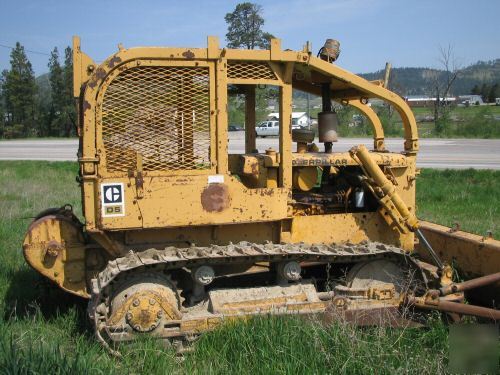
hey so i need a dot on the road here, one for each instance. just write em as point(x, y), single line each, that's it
point(434, 153)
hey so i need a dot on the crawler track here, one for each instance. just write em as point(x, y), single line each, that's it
point(171, 258)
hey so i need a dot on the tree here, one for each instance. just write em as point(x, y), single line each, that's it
point(493, 93)
point(441, 84)
point(60, 114)
point(56, 119)
point(2, 103)
point(485, 90)
point(19, 91)
point(69, 103)
point(265, 42)
point(244, 27)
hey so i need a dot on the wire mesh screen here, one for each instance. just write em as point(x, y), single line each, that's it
point(245, 70)
point(159, 114)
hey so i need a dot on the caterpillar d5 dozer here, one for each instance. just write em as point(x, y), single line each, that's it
point(180, 234)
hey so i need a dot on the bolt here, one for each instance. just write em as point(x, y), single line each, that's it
point(340, 302)
point(153, 326)
point(137, 327)
point(159, 314)
point(136, 302)
point(52, 251)
point(152, 301)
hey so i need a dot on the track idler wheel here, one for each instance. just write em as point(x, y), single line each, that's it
point(54, 246)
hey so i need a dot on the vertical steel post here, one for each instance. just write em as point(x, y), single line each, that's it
point(250, 135)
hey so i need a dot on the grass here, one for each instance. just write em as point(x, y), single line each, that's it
point(468, 197)
point(43, 330)
point(462, 122)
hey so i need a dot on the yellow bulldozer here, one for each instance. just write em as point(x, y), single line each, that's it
point(180, 235)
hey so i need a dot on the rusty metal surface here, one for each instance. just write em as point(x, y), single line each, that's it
point(172, 258)
point(168, 107)
point(215, 198)
point(472, 254)
point(262, 300)
point(54, 246)
point(144, 302)
point(470, 284)
point(454, 307)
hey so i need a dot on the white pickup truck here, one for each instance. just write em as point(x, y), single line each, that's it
point(271, 128)
point(268, 128)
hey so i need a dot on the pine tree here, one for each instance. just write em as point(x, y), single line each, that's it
point(2, 103)
point(56, 117)
point(69, 102)
point(19, 92)
point(244, 27)
point(493, 93)
point(484, 92)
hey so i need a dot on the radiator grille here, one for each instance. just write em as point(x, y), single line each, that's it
point(161, 113)
point(244, 70)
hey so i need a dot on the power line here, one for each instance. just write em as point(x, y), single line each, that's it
point(27, 50)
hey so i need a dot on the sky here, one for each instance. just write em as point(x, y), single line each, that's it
point(371, 32)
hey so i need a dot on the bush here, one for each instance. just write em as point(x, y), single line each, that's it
point(14, 131)
point(481, 124)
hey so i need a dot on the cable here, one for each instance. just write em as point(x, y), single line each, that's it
point(27, 50)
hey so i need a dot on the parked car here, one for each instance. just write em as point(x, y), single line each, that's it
point(234, 128)
point(268, 128)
